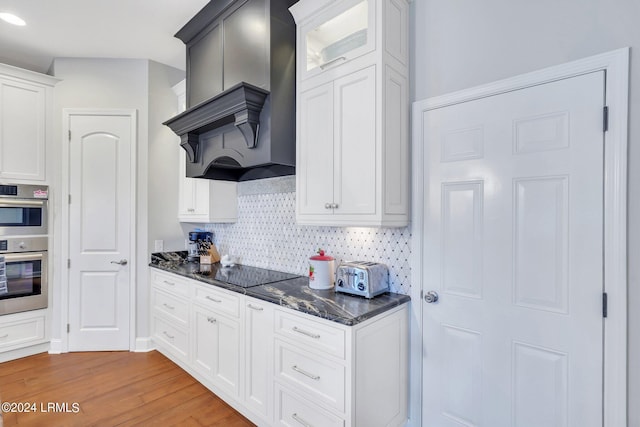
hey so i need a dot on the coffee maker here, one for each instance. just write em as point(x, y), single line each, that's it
point(196, 238)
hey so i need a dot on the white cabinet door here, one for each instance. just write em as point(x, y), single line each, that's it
point(355, 185)
point(22, 130)
point(315, 151)
point(258, 391)
point(338, 149)
point(216, 350)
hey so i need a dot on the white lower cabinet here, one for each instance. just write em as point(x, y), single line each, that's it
point(280, 367)
point(22, 330)
point(258, 346)
point(292, 411)
point(216, 348)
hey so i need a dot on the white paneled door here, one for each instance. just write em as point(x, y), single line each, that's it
point(100, 210)
point(513, 248)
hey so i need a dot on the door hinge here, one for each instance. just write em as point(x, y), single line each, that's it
point(68, 262)
point(604, 305)
point(69, 134)
point(605, 119)
point(69, 198)
point(68, 328)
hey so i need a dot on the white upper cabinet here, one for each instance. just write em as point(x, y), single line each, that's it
point(25, 123)
point(203, 200)
point(352, 113)
point(335, 36)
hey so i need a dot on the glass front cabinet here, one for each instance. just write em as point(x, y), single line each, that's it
point(335, 36)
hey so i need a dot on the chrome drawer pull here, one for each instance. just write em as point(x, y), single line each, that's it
point(303, 332)
point(169, 283)
point(213, 299)
point(168, 336)
point(300, 420)
point(305, 373)
point(253, 307)
point(211, 319)
point(4, 336)
point(168, 306)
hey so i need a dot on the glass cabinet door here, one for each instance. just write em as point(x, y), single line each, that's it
point(338, 35)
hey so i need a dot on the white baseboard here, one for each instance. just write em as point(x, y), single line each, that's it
point(24, 352)
point(56, 347)
point(144, 345)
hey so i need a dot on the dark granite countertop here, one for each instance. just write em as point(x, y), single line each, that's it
point(290, 290)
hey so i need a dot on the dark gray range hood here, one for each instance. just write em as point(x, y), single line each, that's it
point(240, 118)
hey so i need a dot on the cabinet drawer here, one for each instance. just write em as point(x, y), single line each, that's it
point(176, 308)
point(310, 333)
point(292, 411)
point(170, 337)
point(21, 332)
point(220, 301)
point(170, 283)
point(320, 378)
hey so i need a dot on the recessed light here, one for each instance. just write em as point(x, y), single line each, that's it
point(12, 19)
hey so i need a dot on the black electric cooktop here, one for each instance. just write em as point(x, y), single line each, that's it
point(243, 275)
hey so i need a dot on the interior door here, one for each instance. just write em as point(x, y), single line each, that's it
point(513, 248)
point(100, 183)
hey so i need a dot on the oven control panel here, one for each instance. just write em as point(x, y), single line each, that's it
point(23, 244)
point(3, 276)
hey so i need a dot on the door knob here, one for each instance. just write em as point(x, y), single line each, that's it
point(121, 262)
point(431, 297)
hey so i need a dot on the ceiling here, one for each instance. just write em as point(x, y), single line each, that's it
point(95, 29)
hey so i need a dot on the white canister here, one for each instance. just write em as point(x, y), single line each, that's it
point(321, 271)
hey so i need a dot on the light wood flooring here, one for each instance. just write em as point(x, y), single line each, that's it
point(110, 389)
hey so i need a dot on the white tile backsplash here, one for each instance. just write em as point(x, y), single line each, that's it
point(266, 235)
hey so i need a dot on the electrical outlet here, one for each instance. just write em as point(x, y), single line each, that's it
point(158, 245)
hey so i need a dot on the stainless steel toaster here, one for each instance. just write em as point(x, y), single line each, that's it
point(363, 278)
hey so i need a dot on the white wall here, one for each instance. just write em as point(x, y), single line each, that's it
point(164, 149)
point(118, 83)
point(463, 43)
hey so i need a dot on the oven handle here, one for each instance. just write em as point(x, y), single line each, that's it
point(21, 202)
point(23, 257)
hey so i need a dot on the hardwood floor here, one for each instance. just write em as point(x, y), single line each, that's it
point(109, 389)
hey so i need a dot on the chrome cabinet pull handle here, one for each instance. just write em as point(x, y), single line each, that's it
point(300, 420)
point(213, 299)
point(305, 373)
point(168, 336)
point(253, 307)
point(4, 336)
point(303, 332)
point(168, 306)
point(211, 319)
point(121, 262)
point(327, 205)
point(169, 283)
point(326, 64)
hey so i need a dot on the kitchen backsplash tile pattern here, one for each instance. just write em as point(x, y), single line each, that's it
point(266, 235)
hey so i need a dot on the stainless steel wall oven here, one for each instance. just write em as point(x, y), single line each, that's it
point(23, 247)
point(23, 274)
point(23, 210)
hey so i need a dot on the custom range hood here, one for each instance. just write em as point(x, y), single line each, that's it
point(240, 118)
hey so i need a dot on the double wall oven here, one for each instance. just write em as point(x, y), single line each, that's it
point(23, 248)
